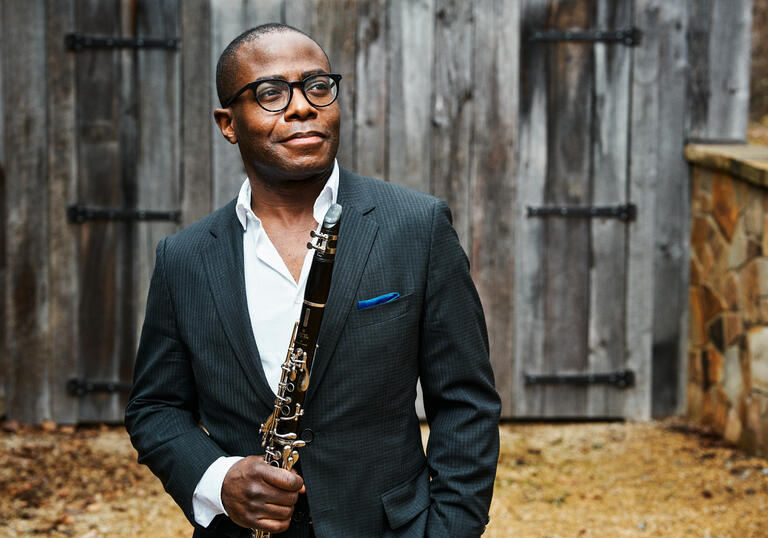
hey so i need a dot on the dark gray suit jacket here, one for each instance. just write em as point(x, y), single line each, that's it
point(365, 470)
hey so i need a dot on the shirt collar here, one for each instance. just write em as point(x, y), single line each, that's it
point(323, 201)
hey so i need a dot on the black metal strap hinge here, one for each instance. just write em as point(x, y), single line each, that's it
point(80, 387)
point(630, 37)
point(77, 42)
point(625, 212)
point(79, 213)
point(621, 379)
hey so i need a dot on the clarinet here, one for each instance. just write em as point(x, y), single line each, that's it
point(279, 432)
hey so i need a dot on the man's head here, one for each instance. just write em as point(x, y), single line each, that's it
point(298, 142)
point(226, 67)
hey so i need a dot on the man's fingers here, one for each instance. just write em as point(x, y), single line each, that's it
point(250, 510)
point(268, 494)
point(274, 526)
point(282, 479)
point(254, 491)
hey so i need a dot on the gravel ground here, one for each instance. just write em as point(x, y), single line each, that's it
point(596, 479)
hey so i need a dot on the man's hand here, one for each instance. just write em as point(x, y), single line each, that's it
point(260, 496)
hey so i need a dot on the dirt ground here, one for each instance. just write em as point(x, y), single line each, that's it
point(596, 479)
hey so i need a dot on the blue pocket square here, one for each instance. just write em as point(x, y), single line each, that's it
point(367, 303)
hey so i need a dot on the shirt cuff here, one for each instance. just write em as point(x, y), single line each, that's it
point(206, 500)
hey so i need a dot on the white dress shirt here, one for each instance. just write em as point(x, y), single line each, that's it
point(274, 304)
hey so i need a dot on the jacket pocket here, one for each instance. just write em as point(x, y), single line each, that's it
point(380, 312)
point(407, 500)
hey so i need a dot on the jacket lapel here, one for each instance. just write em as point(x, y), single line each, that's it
point(356, 237)
point(223, 261)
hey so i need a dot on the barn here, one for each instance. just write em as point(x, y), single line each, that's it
point(556, 131)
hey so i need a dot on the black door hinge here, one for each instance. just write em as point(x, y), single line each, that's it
point(80, 387)
point(625, 212)
point(621, 379)
point(630, 37)
point(76, 42)
point(79, 213)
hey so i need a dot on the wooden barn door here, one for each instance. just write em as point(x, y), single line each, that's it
point(126, 161)
point(573, 209)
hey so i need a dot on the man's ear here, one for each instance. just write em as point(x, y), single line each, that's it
point(225, 121)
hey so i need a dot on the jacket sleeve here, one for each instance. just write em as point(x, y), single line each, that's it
point(162, 415)
point(460, 400)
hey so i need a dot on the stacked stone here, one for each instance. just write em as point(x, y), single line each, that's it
point(728, 295)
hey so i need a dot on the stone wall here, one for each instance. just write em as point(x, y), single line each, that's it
point(728, 294)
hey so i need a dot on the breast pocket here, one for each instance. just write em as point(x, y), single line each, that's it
point(381, 312)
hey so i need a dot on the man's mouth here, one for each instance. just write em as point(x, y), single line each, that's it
point(305, 137)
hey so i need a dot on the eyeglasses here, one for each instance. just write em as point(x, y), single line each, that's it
point(274, 95)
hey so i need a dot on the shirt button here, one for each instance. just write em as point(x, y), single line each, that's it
point(307, 436)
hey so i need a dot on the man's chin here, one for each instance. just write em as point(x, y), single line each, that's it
point(298, 169)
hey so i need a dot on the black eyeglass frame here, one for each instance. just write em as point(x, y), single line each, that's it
point(299, 84)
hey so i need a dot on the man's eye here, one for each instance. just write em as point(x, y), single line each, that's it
point(269, 94)
point(319, 87)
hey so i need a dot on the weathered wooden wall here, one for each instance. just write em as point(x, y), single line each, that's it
point(574, 151)
point(431, 98)
point(27, 300)
point(3, 356)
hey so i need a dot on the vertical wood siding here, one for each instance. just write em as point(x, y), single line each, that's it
point(105, 130)
point(409, 126)
point(444, 96)
point(197, 101)
point(608, 237)
point(556, 119)
point(27, 298)
point(62, 182)
point(491, 178)
point(719, 34)
point(4, 362)
point(671, 206)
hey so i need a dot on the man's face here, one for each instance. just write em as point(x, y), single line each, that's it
point(299, 142)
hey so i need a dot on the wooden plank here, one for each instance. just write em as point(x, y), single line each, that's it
point(530, 176)
point(371, 91)
point(227, 22)
point(4, 366)
point(128, 112)
point(197, 104)
point(101, 126)
point(158, 153)
point(567, 241)
point(62, 183)
point(409, 125)
point(644, 172)
point(719, 45)
point(263, 11)
point(26, 227)
point(672, 216)
point(302, 14)
point(494, 139)
point(610, 151)
point(452, 111)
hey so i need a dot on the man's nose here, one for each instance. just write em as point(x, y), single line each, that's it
point(299, 107)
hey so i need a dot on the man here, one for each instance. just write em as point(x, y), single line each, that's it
point(226, 291)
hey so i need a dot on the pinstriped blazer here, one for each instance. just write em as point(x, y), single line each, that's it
point(365, 470)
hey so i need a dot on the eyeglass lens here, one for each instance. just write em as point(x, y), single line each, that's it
point(274, 95)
